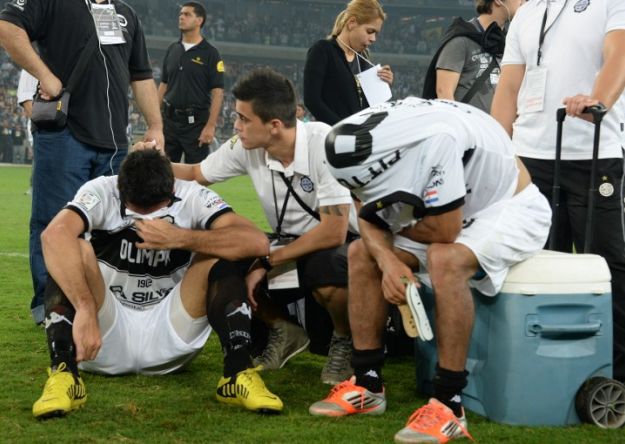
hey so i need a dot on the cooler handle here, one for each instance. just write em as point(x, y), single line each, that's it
point(559, 329)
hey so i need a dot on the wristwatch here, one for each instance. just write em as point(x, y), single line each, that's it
point(264, 261)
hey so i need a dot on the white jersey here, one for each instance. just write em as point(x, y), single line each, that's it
point(414, 157)
point(140, 279)
point(572, 55)
point(308, 175)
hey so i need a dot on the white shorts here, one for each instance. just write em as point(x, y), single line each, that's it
point(500, 236)
point(143, 342)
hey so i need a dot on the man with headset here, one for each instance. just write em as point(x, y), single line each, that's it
point(191, 89)
point(93, 143)
point(466, 66)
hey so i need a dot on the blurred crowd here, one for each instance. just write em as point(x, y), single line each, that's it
point(246, 21)
point(14, 146)
point(298, 25)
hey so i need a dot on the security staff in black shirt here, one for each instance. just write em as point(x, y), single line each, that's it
point(191, 89)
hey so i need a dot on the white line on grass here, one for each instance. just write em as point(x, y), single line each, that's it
point(23, 255)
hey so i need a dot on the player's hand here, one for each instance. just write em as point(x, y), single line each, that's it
point(386, 74)
point(395, 276)
point(50, 87)
point(155, 135)
point(253, 280)
point(576, 104)
point(207, 135)
point(86, 334)
point(157, 234)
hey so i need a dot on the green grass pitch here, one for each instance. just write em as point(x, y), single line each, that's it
point(181, 408)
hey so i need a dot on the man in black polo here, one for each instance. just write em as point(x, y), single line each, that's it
point(191, 89)
point(94, 142)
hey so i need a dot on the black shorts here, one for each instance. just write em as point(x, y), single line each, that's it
point(323, 268)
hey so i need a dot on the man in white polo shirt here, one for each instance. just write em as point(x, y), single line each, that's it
point(301, 200)
point(570, 53)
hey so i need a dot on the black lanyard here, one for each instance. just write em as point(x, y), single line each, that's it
point(543, 31)
point(279, 217)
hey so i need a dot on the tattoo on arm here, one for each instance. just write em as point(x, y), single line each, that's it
point(334, 210)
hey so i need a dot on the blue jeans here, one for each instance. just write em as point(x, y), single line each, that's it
point(62, 165)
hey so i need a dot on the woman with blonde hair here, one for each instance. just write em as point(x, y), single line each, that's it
point(331, 89)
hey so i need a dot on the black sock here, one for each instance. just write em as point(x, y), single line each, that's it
point(448, 387)
point(230, 314)
point(58, 323)
point(367, 366)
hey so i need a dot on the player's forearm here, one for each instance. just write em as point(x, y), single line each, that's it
point(610, 81)
point(379, 242)
point(319, 238)
point(217, 98)
point(146, 96)
point(232, 243)
point(185, 171)
point(443, 228)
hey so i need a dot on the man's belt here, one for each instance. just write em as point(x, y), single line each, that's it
point(183, 114)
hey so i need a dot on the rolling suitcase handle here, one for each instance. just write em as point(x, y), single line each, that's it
point(597, 112)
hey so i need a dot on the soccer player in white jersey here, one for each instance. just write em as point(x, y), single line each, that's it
point(165, 263)
point(442, 193)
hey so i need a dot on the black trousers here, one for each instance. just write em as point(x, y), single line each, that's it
point(608, 230)
point(182, 137)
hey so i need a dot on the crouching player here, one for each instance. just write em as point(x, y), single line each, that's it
point(164, 264)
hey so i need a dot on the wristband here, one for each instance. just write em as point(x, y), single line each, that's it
point(264, 261)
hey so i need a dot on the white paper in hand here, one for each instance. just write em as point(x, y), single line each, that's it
point(375, 89)
point(418, 312)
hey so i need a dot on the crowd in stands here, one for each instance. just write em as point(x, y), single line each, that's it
point(298, 25)
point(259, 24)
point(13, 141)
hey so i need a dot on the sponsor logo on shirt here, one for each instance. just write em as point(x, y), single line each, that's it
point(140, 299)
point(220, 66)
point(212, 200)
point(197, 60)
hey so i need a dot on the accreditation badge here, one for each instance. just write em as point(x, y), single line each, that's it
point(535, 85)
point(107, 24)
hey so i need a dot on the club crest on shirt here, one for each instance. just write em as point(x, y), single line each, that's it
point(307, 184)
point(581, 5)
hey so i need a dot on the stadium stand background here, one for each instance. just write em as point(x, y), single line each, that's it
point(276, 33)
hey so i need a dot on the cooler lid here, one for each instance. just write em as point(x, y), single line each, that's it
point(553, 272)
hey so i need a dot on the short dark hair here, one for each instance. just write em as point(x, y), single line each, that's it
point(198, 9)
point(484, 6)
point(145, 178)
point(271, 94)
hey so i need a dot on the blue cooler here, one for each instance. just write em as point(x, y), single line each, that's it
point(536, 342)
